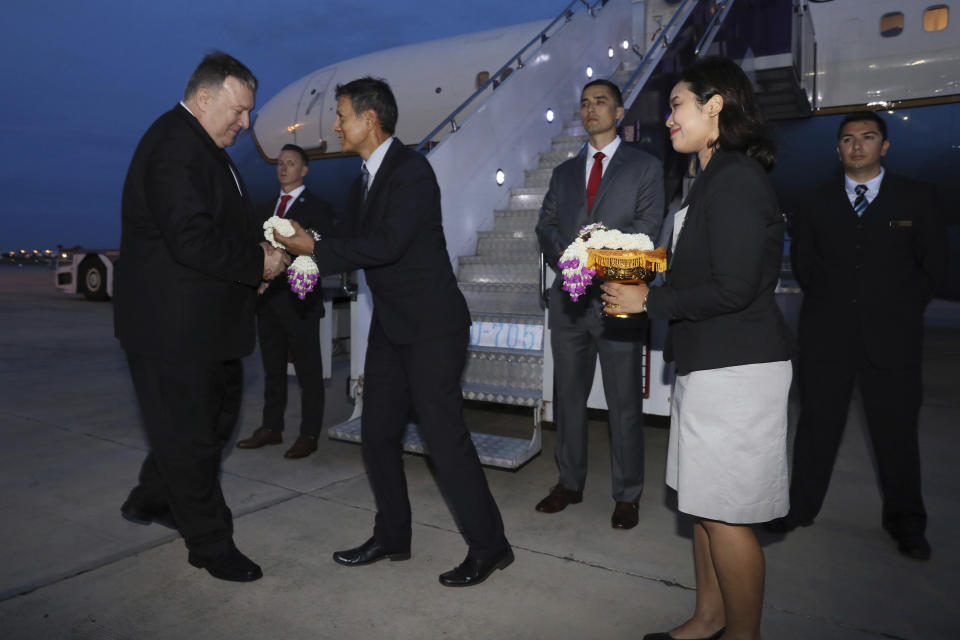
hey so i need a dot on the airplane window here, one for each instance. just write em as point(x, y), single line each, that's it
point(935, 18)
point(891, 24)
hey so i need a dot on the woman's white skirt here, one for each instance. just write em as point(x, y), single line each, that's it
point(727, 457)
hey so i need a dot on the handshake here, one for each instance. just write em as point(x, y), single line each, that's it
point(275, 261)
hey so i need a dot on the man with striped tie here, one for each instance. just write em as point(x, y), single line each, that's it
point(869, 254)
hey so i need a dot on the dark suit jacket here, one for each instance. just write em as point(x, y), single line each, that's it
point(630, 198)
point(720, 280)
point(190, 263)
point(312, 213)
point(866, 280)
point(396, 236)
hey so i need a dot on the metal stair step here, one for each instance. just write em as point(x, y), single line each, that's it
point(554, 158)
point(495, 298)
point(568, 143)
point(502, 395)
point(527, 197)
point(498, 269)
point(496, 451)
point(538, 177)
point(516, 369)
point(507, 243)
point(574, 128)
point(515, 219)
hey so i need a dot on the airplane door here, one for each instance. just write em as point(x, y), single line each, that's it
point(315, 114)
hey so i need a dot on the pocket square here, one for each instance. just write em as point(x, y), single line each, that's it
point(901, 223)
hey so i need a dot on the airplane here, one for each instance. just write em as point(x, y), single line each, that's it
point(495, 111)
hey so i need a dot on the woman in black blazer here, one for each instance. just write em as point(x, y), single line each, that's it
point(730, 346)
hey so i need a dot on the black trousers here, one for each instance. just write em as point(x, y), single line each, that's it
point(575, 351)
point(422, 381)
point(891, 402)
point(280, 333)
point(190, 409)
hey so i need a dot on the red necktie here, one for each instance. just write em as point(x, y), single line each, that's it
point(282, 207)
point(594, 183)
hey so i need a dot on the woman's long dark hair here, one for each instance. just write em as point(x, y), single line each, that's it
point(742, 124)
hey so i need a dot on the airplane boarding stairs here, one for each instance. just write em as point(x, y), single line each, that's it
point(502, 280)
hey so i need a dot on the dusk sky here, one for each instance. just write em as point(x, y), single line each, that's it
point(82, 81)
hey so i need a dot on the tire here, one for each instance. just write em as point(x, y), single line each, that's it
point(92, 275)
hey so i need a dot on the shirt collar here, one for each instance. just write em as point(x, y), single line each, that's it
point(607, 151)
point(376, 159)
point(295, 193)
point(873, 185)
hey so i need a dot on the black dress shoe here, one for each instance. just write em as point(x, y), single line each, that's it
point(367, 553)
point(665, 635)
point(914, 546)
point(558, 499)
point(139, 514)
point(232, 565)
point(471, 572)
point(261, 437)
point(625, 515)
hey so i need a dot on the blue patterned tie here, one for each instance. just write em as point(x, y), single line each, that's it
point(366, 182)
point(860, 204)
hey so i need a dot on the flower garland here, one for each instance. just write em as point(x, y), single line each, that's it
point(302, 274)
point(577, 272)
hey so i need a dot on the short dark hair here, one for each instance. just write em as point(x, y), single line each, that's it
point(863, 116)
point(298, 149)
point(214, 69)
point(371, 93)
point(614, 89)
point(742, 124)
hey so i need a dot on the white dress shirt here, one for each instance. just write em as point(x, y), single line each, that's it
point(607, 151)
point(375, 160)
point(293, 197)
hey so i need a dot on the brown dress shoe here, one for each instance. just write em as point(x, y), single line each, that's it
point(302, 447)
point(558, 499)
point(261, 437)
point(624, 516)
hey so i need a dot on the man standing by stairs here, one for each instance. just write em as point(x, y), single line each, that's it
point(618, 185)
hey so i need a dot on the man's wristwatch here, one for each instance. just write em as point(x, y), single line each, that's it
point(643, 306)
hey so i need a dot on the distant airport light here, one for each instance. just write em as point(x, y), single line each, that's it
point(625, 44)
point(890, 111)
point(610, 52)
point(906, 117)
point(501, 177)
point(549, 115)
point(589, 72)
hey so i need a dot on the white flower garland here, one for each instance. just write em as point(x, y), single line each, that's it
point(577, 276)
point(302, 274)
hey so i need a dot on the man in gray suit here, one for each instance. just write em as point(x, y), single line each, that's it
point(621, 187)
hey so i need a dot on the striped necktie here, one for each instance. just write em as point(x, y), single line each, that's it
point(860, 204)
point(364, 187)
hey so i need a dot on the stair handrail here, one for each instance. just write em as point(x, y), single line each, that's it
point(644, 70)
point(716, 23)
point(566, 15)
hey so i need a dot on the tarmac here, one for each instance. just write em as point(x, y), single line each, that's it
point(72, 568)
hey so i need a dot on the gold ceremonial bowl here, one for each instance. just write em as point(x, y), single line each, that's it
point(627, 266)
